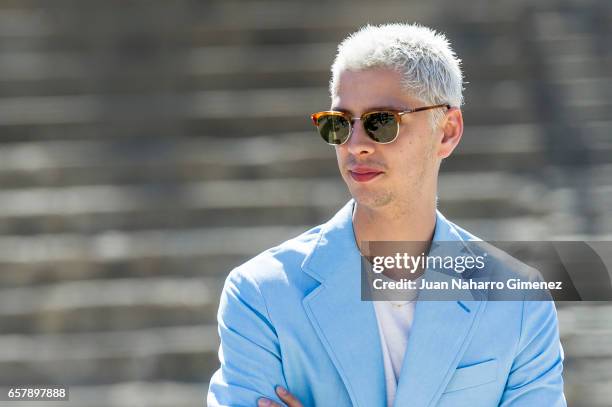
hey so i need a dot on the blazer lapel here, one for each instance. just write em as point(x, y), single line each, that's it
point(348, 329)
point(440, 334)
point(345, 325)
point(441, 330)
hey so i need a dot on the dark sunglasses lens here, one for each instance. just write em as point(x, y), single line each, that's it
point(333, 128)
point(381, 126)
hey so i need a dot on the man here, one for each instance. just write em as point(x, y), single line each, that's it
point(292, 323)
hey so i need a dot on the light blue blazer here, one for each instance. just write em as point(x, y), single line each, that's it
point(293, 316)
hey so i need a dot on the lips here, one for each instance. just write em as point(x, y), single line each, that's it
point(364, 174)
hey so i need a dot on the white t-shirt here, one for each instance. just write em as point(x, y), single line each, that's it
point(394, 324)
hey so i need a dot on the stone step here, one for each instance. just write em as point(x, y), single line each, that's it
point(264, 110)
point(466, 26)
point(91, 209)
point(602, 203)
point(211, 252)
point(164, 159)
point(47, 259)
point(589, 394)
point(139, 354)
point(90, 162)
point(588, 370)
point(317, 57)
point(31, 22)
point(588, 98)
point(45, 272)
point(229, 66)
point(109, 305)
point(137, 394)
point(171, 219)
point(516, 228)
point(179, 394)
point(578, 318)
point(172, 200)
point(573, 24)
point(112, 246)
point(147, 301)
point(572, 67)
point(586, 335)
point(186, 353)
point(53, 163)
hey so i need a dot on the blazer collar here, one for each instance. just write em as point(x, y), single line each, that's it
point(345, 325)
point(336, 242)
point(348, 330)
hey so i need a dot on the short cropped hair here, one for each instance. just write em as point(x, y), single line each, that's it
point(429, 67)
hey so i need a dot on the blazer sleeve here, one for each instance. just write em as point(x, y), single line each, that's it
point(249, 352)
point(535, 376)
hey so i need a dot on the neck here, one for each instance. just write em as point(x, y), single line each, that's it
point(414, 224)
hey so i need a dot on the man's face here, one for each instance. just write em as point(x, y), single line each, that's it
point(398, 173)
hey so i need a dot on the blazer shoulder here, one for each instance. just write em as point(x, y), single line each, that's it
point(279, 263)
point(464, 234)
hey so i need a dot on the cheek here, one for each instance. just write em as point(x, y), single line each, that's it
point(420, 145)
point(411, 157)
point(409, 152)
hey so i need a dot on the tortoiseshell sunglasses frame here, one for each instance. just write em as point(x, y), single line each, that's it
point(350, 119)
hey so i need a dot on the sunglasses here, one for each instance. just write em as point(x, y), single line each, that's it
point(382, 126)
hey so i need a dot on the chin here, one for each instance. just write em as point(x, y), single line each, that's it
point(373, 200)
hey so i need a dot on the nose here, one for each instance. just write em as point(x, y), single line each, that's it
point(359, 143)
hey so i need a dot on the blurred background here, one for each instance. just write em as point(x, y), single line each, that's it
point(148, 147)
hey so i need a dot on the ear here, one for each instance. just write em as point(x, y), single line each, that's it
point(452, 130)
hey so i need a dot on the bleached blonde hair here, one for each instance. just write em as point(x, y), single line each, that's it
point(429, 67)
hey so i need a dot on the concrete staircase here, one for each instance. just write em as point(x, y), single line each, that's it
point(146, 149)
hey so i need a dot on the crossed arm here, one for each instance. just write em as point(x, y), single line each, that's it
point(250, 354)
point(289, 399)
point(251, 372)
point(535, 378)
